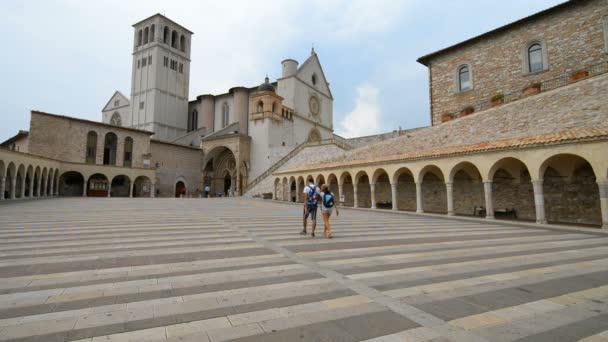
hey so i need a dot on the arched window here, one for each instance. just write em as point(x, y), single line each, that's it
point(274, 107)
point(260, 106)
point(139, 37)
point(314, 79)
point(116, 120)
point(146, 31)
point(535, 58)
point(174, 39)
point(128, 155)
point(225, 115)
point(152, 29)
point(464, 78)
point(91, 147)
point(166, 35)
point(182, 43)
point(109, 149)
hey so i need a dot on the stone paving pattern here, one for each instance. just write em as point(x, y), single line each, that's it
point(237, 270)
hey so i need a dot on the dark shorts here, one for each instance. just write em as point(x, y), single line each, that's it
point(312, 211)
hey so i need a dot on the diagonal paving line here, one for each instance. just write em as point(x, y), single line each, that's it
point(410, 312)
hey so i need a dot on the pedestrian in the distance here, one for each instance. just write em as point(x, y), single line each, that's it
point(327, 206)
point(311, 199)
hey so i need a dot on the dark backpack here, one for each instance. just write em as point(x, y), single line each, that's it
point(312, 195)
point(328, 200)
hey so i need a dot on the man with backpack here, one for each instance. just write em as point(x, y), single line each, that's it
point(311, 198)
point(327, 206)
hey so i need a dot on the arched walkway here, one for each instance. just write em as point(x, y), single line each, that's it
point(570, 191)
point(29, 180)
point(512, 188)
point(121, 186)
point(300, 189)
point(20, 182)
point(406, 189)
point(228, 186)
point(381, 190)
point(320, 180)
point(363, 198)
point(332, 181)
point(434, 195)
point(292, 189)
point(220, 164)
point(278, 189)
point(467, 189)
point(10, 185)
point(98, 186)
point(71, 184)
point(285, 190)
point(142, 187)
point(37, 180)
point(348, 189)
point(180, 189)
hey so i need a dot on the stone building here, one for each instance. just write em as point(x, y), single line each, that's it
point(519, 129)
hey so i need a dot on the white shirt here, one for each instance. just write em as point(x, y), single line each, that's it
point(317, 191)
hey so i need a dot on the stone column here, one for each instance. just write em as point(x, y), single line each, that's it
point(603, 186)
point(539, 201)
point(51, 181)
point(84, 189)
point(131, 189)
point(355, 197)
point(238, 190)
point(43, 188)
point(372, 190)
point(152, 191)
point(22, 187)
point(2, 187)
point(109, 190)
point(487, 189)
point(341, 192)
point(38, 190)
point(449, 189)
point(419, 208)
point(13, 188)
point(394, 196)
point(30, 193)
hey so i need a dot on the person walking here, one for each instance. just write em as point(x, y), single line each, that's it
point(207, 191)
point(327, 206)
point(311, 198)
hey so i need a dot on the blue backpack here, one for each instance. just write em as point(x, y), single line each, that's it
point(328, 200)
point(312, 195)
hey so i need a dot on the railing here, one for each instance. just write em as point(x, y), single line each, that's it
point(554, 83)
point(282, 161)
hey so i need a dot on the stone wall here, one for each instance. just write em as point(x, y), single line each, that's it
point(309, 155)
point(514, 193)
point(64, 138)
point(573, 37)
point(577, 105)
point(174, 163)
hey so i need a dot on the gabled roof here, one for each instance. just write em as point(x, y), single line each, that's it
point(427, 58)
point(314, 57)
point(228, 130)
point(21, 134)
point(111, 97)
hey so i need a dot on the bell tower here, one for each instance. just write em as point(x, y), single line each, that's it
point(160, 77)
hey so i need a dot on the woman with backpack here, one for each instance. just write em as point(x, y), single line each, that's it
point(327, 206)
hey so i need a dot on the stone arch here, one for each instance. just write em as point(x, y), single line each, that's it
point(146, 34)
point(570, 190)
point(406, 189)
point(346, 180)
point(512, 187)
point(433, 190)
point(182, 43)
point(334, 188)
point(115, 119)
point(381, 187)
point(467, 188)
point(181, 187)
point(363, 190)
point(56, 183)
point(37, 180)
point(11, 173)
point(292, 189)
point(49, 183)
point(285, 189)
point(314, 135)
point(121, 186)
point(98, 185)
point(300, 189)
point(44, 181)
point(29, 181)
point(71, 183)
point(220, 162)
point(320, 180)
point(142, 187)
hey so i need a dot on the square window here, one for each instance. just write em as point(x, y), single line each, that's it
point(116, 103)
point(150, 60)
point(141, 105)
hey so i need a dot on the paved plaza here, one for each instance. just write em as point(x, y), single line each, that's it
point(237, 270)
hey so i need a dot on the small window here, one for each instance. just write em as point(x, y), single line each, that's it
point(146, 31)
point(128, 152)
point(91, 147)
point(141, 105)
point(182, 43)
point(225, 115)
point(314, 79)
point(260, 106)
point(166, 35)
point(139, 37)
point(174, 39)
point(464, 78)
point(152, 29)
point(149, 60)
point(143, 61)
point(535, 58)
point(116, 103)
point(138, 61)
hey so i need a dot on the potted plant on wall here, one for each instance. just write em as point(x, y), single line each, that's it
point(578, 75)
point(468, 110)
point(445, 117)
point(497, 100)
point(532, 89)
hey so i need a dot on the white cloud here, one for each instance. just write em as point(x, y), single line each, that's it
point(364, 119)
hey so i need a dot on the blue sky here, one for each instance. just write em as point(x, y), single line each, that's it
point(69, 56)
